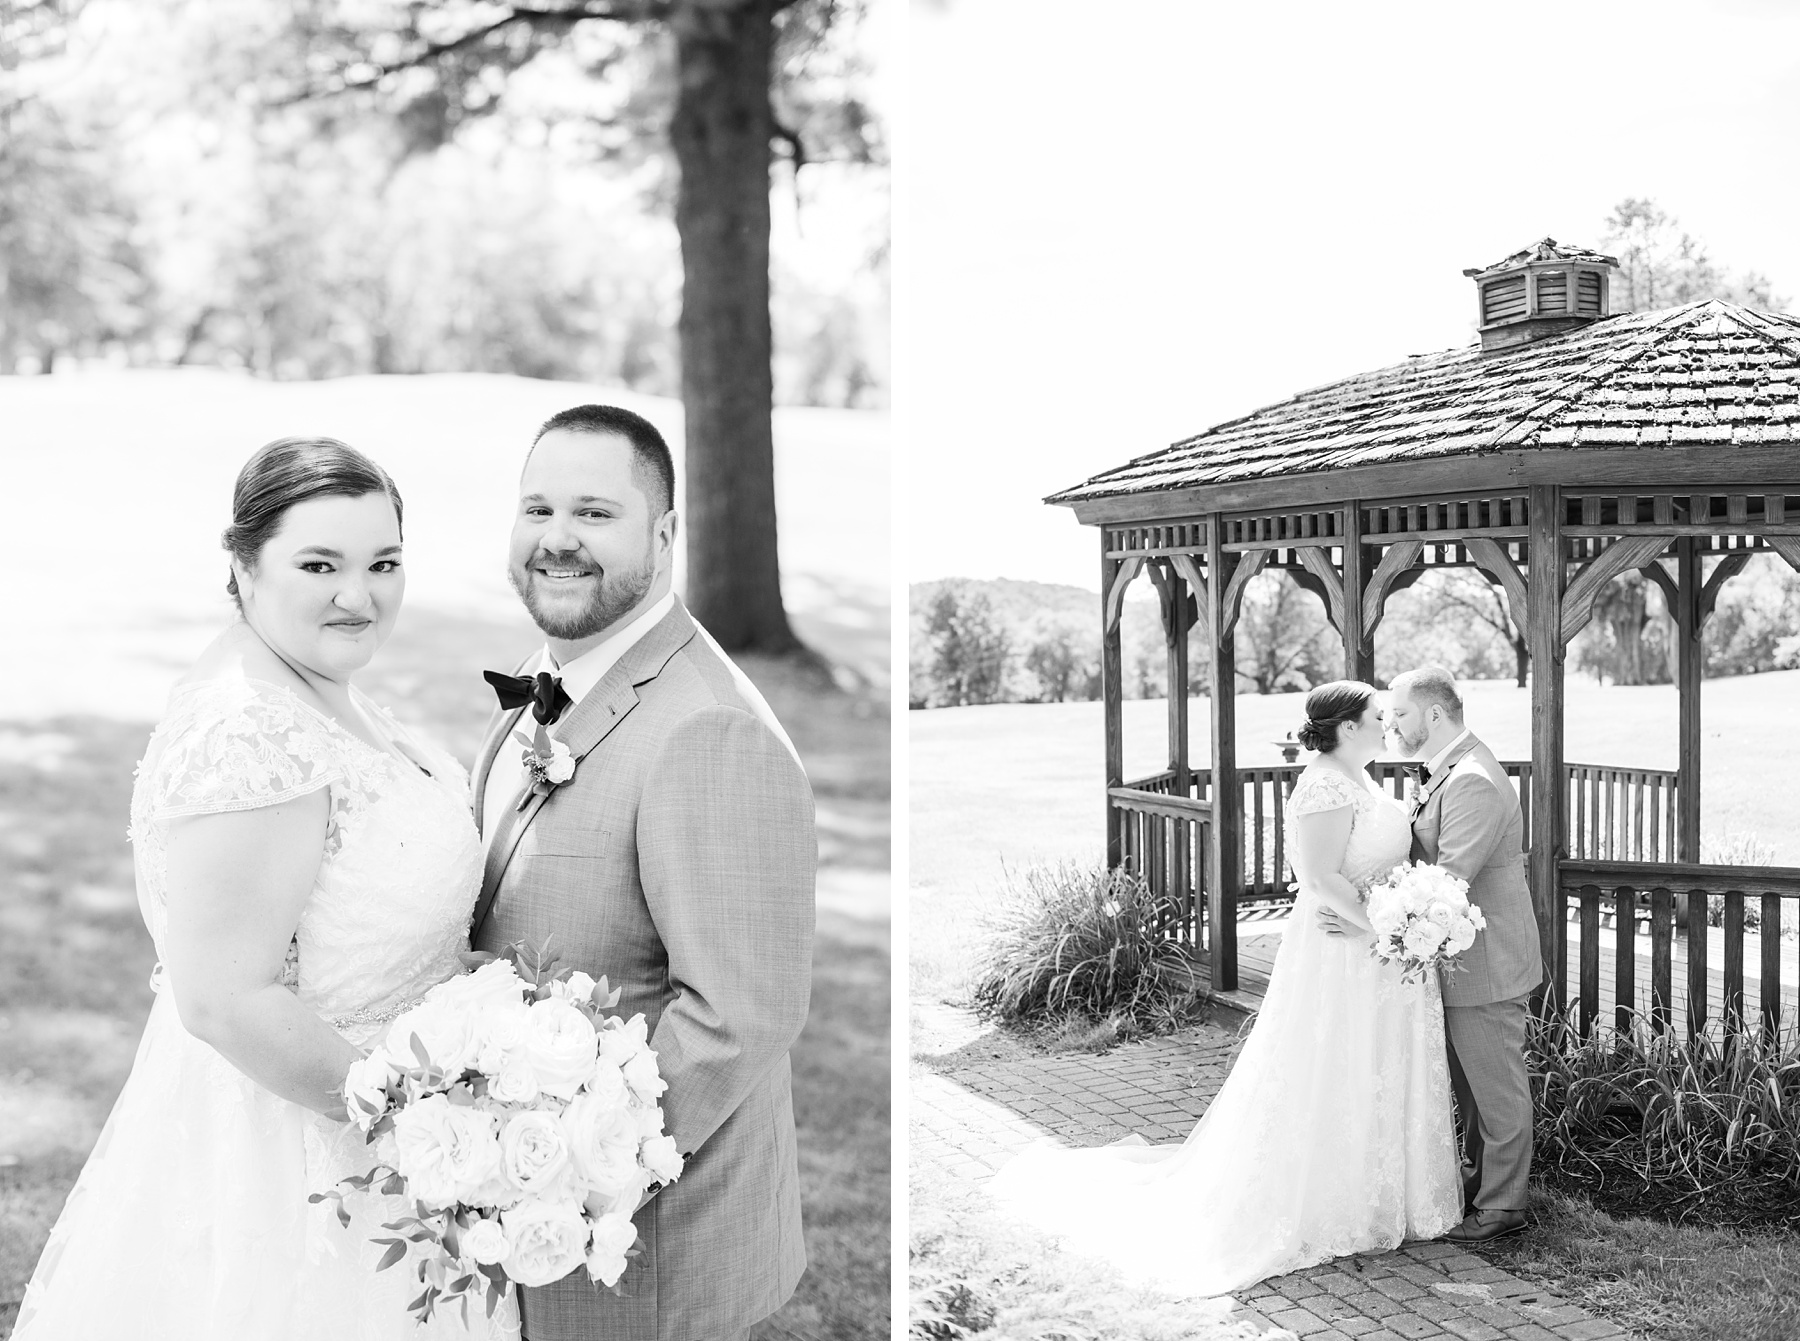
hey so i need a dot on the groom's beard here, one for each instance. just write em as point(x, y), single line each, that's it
point(1410, 745)
point(614, 595)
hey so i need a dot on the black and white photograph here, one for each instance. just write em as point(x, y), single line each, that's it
point(1353, 587)
point(445, 756)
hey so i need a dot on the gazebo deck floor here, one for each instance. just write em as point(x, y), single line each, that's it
point(1259, 937)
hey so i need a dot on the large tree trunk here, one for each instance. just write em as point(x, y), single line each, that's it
point(721, 134)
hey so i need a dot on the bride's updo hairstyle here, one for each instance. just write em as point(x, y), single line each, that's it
point(289, 471)
point(1327, 708)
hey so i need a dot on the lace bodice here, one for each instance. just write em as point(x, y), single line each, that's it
point(401, 865)
point(1380, 837)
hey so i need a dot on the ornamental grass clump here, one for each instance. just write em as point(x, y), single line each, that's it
point(1719, 1117)
point(1071, 940)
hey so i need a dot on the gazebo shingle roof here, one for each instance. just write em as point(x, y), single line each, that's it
point(1709, 372)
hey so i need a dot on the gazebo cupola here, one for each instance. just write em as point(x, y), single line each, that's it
point(1544, 290)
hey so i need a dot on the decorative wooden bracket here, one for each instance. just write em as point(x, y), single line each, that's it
point(1326, 574)
point(1787, 546)
point(1498, 564)
point(1249, 564)
point(1728, 567)
point(1664, 583)
point(1580, 594)
point(1202, 595)
point(1398, 557)
point(1161, 575)
point(1115, 598)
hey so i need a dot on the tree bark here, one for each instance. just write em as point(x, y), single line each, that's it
point(721, 132)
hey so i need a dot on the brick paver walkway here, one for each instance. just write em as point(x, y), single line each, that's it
point(969, 1116)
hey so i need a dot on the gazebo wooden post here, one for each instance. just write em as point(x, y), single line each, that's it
point(1225, 865)
point(1176, 628)
point(1359, 646)
point(1549, 809)
point(1689, 651)
point(1181, 855)
point(1112, 696)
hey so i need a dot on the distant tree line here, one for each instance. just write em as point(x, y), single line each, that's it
point(1019, 642)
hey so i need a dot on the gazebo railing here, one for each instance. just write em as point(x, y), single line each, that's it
point(1615, 814)
point(1714, 979)
point(1164, 839)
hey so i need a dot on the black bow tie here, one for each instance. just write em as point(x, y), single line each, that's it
point(544, 692)
point(1424, 774)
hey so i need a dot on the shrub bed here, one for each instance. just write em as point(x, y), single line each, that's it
point(1650, 1124)
point(1068, 940)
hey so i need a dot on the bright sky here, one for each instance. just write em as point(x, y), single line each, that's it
point(1118, 225)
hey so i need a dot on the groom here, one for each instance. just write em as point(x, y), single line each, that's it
point(678, 861)
point(1467, 820)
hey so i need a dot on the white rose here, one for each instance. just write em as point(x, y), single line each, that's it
point(608, 1085)
point(648, 1119)
point(499, 1029)
point(493, 984)
point(515, 1082)
point(645, 1080)
point(578, 986)
point(559, 1043)
point(534, 1153)
point(442, 1030)
point(445, 1150)
point(1461, 937)
point(1423, 938)
point(549, 1240)
point(613, 1236)
point(365, 1088)
point(486, 1242)
point(1441, 914)
point(621, 1041)
point(662, 1159)
point(603, 1143)
point(560, 766)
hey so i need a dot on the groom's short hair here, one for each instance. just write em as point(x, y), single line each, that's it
point(1428, 685)
point(648, 448)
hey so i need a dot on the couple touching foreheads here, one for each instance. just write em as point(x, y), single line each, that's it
point(1335, 1132)
point(308, 867)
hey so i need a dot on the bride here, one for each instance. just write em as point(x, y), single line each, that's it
point(1333, 1133)
point(306, 867)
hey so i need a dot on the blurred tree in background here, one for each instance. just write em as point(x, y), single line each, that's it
point(582, 191)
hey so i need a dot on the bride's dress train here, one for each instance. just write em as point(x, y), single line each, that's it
point(1332, 1135)
point(190, 1220)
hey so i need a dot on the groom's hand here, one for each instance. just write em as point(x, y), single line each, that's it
point(1331, 924)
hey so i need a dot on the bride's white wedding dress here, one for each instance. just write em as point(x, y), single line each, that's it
point(190, 1221)
point(1332, 1135)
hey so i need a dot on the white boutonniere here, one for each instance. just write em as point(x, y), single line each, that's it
point(547, 762)
point(1415, 800)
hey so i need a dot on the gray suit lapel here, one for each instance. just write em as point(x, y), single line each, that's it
point(1442, 775)
point(582, 730)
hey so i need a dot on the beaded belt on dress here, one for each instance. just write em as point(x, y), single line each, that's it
point(372, 1015)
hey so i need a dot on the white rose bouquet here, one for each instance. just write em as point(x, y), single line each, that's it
point(517, 1125)
point(1422, 919)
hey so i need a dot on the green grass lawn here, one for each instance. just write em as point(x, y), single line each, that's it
point(74, 956)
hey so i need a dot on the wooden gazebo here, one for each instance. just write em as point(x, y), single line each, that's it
point(1566, 448)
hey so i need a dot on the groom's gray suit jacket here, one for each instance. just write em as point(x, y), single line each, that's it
point(1468, 822)
point(678, 862)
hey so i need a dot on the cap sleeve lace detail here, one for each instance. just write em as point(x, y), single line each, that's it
point(1322, 789)
point(238, 745)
